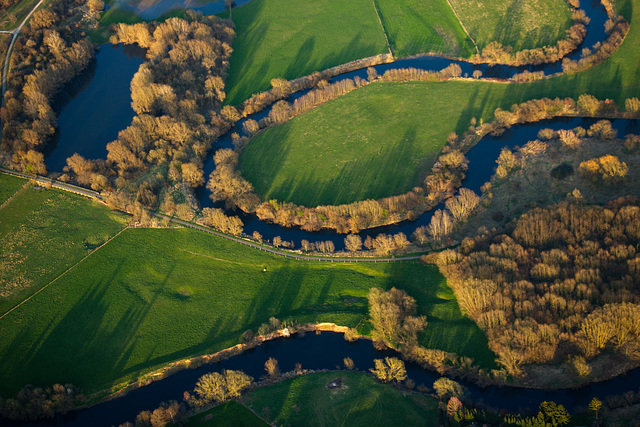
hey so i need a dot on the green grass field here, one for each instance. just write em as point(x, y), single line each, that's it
point(230, 414)
point(43, 233)
point(380, 140)
point(152, 296)
point(415, 26)
point(9, 185)
point(515, 23)
point(293, 38)
point(361, 401)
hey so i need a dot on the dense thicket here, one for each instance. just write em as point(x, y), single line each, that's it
point(177, 95)
point(35, 403)
point(48, 55)
point(560, 281)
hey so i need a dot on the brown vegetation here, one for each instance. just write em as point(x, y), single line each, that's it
point(548, 285)
point(35, 403)
point(393, 317)
point(48, 55)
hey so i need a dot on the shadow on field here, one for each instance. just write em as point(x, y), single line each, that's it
point(447, 329)
point(359, 179)
point(301, 59)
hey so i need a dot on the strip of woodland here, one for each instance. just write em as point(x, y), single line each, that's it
point(559, 283)
point(177, 96)
point(50, 52)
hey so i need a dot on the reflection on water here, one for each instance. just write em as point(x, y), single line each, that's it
point(96, 106)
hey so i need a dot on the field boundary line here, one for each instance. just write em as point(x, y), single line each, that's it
point(65, 272)
point(463, 27)
point(18, 192)
point(384, 31)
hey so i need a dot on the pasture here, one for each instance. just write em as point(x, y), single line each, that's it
point(43, 233)
point(519, 24)
point(361, 401)
point(153, 296)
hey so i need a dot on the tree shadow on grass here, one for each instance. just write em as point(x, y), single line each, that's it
point(447, 329)
point(363, 178)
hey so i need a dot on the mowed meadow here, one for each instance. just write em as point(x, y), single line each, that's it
point(519, 24)
point(294, 38)
point(416, 26)
point(153, 296)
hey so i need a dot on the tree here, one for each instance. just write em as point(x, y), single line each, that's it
point(595, 405)
point(192, 174)
point(391, 314)
point(95, 5)
point(446, 388)
point(272, 368)
point(589, 104)
point(391, 369)
point(555, 414)
point(348, 363)
point(353, 243)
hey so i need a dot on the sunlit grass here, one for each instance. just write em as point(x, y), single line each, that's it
point(519, 24)
point(44, 232)
point(152, 296)
point(361, 401)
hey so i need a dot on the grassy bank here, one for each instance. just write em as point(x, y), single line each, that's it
point(8, 186)
point(293, 38)
point(519, 24)
point(152, 296)
point(415, 27)
point(43, 233)
point(361, 401)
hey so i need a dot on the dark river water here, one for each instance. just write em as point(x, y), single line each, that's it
point(327, 351)
point(97, 106)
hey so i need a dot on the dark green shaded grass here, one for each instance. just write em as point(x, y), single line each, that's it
point(306, 401)
point(293, 38)
point(418, 26)
point(519, 24)
point(230, 414)
point(19, 11)
point(8, 186)
point(43, 233)
point(153, 296)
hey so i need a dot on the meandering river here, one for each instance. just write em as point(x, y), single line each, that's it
point(327, 351)
point(97, 107)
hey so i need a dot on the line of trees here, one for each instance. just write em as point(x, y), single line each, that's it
point(496, 53)
point(49, 54)
point(540, 288)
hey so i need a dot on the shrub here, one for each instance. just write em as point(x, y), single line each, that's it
point(607, 169)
